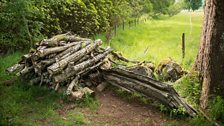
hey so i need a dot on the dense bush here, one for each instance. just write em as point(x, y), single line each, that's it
point(24, 22)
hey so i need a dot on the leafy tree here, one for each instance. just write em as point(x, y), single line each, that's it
point(193, 4)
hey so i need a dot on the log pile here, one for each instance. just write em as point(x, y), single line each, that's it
point(61, 61)
point(73, 64)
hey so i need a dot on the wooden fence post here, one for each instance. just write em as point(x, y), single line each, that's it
point(183, 45)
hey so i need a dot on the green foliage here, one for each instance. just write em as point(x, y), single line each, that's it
point(200, 121)
point(193, 4)
point(90, 102)
point(161, 6)
point(7, 61)
point(16, 21)
point(77, 118)
point(24, 22)
point(189, 87)
point(215, 113)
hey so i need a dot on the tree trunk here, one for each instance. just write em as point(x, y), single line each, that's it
point(210, 58)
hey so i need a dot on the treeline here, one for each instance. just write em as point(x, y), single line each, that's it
point(24, 22)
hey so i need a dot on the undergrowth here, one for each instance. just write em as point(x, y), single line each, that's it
point(215, 113)
point(189, 87)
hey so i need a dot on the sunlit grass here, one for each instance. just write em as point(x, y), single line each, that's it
point(159, 39)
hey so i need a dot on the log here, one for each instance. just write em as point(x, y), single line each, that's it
point(74, 70)
point(72, 84)
point(120, 57)
point(74, 38)
point(15, 68)
point(73, 49)
point(64, 54)
point(148, 87)
point(59, 66)
point(88, 69)
point(101, 86)
point(47, 51)
point(81, 92)
point(54, 41)
point(157, 84)
point(25, 71)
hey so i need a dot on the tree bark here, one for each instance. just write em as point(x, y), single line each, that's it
point(210, 58)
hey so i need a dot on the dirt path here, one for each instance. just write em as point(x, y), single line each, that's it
point(115, 110)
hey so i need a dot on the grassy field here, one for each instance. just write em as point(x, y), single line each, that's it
point(159, 39)
point(153, 40)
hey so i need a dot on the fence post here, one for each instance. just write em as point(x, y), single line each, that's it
point(183, 45)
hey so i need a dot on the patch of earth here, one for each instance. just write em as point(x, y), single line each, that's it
point(115, 110)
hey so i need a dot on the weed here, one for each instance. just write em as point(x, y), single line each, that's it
point(77, 118)
point(163, 108)
point(215, 113)
point(90, 102)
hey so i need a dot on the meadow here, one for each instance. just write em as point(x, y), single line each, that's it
point(159, 39)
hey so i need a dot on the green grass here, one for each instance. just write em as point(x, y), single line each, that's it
point(7, 61)
point(162, 37)
point(24, 105)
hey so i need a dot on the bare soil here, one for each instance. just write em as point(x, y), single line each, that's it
point(119, 111)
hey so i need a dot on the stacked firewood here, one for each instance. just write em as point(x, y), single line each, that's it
point(72, 64)
point(61, 61)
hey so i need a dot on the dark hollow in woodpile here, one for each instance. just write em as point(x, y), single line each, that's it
point(70, 63)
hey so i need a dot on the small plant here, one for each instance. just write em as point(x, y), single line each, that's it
point(163, 108)
point(216, 111)
point(200, 121)
point(179, 111)
point(89, 101)
point(80, 119)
